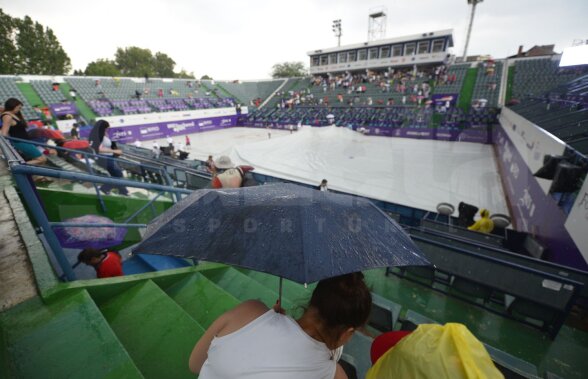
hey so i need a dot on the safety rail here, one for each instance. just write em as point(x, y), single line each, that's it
point(23, 173)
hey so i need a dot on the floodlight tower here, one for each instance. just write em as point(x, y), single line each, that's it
point(337, 30)
point(377, 21)
point(465, 49)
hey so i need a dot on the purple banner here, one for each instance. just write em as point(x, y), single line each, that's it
point(534, 211)
point(126, 134)
point(63, 109)
point(441, 99)
point(476, 135)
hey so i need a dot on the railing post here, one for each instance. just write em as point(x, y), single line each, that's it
point(170, 183)
point(91, 171)
point(36, 208)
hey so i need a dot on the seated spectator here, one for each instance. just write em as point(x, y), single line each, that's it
point(323, 186)
point(106, 263)
point(14, 125)
point(229, 176)
point(484, 224)
point(432, 351)
point(265, 343)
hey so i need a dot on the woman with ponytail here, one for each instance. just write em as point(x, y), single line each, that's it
point(254, 341)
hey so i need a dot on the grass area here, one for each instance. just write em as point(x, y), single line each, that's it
point(467, 90)
point(509, 83)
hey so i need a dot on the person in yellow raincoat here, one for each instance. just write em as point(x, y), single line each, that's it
point(484, 224)
point(435, 351)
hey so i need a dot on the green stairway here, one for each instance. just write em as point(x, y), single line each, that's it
point(212, 302)
point(245, 288)
point(467, 89)
point(30, 94)
point(84, 109)
point(66, 339)
point(158, 334)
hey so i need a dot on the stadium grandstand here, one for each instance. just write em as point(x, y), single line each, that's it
point(428, 138)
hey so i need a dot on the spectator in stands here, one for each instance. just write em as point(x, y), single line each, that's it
point(188, 141)
point(73, 94)
point(156, 149)
point(484, 224)
point(432, 351)
point(138, 143)
point(107, 263)
point(210, 166)
point(323, 186)
point(74, 133)
point(102, 145)
point(278, 346)
point(229, 176)
point(14, 125)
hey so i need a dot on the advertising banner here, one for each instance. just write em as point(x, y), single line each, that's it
point(128, 134)
point(533, 210)
point(63, 109)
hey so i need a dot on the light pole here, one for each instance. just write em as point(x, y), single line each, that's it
point(465, 49)
point(337, 31)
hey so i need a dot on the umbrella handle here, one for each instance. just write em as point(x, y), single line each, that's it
point(280, 291)
point(278, 306)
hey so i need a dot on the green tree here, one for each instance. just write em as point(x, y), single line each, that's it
point(205, 77)
point(134, 61)
point(29, 41)
point(9, 60)
point(26, 47)
point(185, 75)
point(56, 60)
point(163, 65)
point(102, 67)
point(288, 70)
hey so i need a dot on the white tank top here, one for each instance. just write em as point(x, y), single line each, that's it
point(272, 346)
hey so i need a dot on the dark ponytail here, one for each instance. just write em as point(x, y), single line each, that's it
point(342, 301)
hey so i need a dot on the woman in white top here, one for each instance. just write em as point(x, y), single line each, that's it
point(253, 341)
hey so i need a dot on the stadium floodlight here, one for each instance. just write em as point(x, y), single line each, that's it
point(377, 21)
point(337, 31)
point(473, 3)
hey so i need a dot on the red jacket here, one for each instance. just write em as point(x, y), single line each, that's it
point(110, 266)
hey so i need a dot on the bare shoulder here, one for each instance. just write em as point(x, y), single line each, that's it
point(242, 315)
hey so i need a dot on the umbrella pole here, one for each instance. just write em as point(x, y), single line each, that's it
point(280, 292)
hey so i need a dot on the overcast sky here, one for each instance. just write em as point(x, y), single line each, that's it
point(242, 39)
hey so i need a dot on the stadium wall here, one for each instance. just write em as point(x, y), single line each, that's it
point(521, 146)
point(130, 128)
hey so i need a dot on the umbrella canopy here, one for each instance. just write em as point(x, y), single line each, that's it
point(77, 237)
point(286, 230)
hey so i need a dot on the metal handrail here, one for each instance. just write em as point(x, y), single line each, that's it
point(23, 172)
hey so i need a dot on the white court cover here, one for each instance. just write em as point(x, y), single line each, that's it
point(415, 173)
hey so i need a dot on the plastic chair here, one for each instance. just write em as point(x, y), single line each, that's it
point(445, 209)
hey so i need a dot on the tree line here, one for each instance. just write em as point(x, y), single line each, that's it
point(135, 62)
point(27, 47)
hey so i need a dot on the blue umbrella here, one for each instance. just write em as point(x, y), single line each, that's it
point(286, 230)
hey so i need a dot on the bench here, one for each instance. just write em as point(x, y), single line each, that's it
point(537, 264)
point(535, 292)
point(485, 238)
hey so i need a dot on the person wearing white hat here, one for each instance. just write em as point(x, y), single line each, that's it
point(230, 176)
